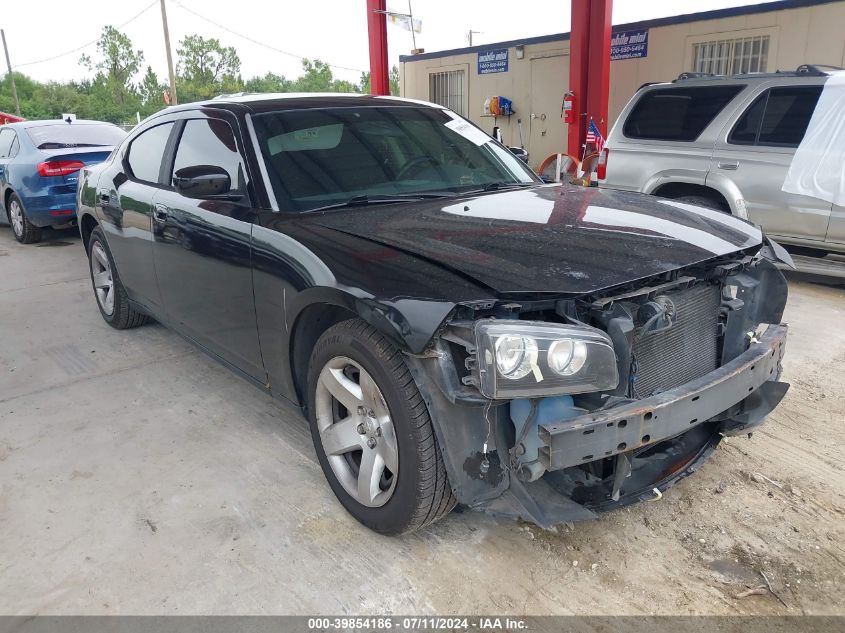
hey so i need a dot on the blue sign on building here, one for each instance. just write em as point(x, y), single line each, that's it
point(494, 60)
point(629, 45)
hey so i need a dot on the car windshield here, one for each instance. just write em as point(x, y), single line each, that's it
point(64, 135)
point(327, 157)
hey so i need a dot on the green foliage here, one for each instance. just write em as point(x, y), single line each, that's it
point(269, 83)
point(118, 63)
point(205, 68)
point(393, 78)
point(151, 92)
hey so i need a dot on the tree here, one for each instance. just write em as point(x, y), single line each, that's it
point(151, 90)
point(318, 77)
point(393, 78)
point(268, 83)
point(117, 66)
point(113, 95)
point(206, 68)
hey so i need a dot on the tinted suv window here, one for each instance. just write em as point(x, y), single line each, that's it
point(147, 152)
point(788, 114)
point(210, 142)
point(778, 118)
point(677, 114)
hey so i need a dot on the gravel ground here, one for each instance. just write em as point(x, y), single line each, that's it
point(139, 477)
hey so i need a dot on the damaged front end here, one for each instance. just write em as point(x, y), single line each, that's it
point(552, 410)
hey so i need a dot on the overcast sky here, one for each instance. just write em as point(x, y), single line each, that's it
point(332, 30)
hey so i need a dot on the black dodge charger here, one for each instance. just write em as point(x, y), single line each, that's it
point(454, 329)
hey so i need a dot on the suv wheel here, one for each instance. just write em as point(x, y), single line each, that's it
point(372, 432)
point(111, 295)
point(701, 201)
point(25, 231)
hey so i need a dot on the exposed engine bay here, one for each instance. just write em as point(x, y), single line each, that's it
point(697, 357)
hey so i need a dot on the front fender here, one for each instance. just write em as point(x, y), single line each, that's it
point(409, 323)
point(730, 192)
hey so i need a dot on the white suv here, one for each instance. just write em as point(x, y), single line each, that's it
point(726, 143)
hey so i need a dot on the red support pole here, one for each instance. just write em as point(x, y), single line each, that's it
point(589, 68)
point(579, 43)
point(598, 73)
point(377, 29)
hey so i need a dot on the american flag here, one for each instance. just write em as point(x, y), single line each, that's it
point(594, 136)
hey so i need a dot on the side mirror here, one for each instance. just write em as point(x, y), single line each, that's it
point(202, 181)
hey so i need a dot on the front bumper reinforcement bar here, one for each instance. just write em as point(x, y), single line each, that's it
point(632, 426)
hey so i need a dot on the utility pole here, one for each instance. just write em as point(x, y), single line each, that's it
point(173, 100)
point(470, 33)
point(411, 22)
point(11, 76)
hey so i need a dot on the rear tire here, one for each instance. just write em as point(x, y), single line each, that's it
point(707, 203)
point(24, 231)
point(109, 292)
point(383, 420)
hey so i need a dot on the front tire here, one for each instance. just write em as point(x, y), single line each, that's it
point(372, 432)
point(25, 231)
point(111, 296)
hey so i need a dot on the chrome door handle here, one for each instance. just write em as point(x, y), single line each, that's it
point(160, 213)
point(730, 166)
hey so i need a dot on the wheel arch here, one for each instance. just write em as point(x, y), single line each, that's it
point(7, 194)
point(681, 189)
point(307, 329)
point(409, 324)
point(87, 224)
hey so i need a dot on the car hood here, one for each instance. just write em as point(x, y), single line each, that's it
point(557, 239)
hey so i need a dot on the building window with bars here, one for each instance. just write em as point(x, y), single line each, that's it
point(447, 89)
point(731, 57)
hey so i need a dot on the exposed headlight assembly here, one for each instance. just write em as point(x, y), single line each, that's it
point(528, 358)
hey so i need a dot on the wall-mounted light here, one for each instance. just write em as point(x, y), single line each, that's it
point(520, 51)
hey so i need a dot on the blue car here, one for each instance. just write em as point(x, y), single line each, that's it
point(39, 165)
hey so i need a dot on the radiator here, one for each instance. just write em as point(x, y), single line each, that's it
point(685, 351)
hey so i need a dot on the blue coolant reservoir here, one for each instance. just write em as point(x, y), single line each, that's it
point(549, 410)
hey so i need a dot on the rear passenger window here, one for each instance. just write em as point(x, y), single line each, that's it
point(677, 114)
point(210, 142)
point(147, 152)
point(6, 138)
point(778, 118)
point(788, 114)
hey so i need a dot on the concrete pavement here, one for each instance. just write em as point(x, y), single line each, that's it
point(139, 476)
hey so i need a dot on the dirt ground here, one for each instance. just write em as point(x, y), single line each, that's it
point(139, 477)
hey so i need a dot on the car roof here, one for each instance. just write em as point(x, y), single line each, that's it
point(20, 125)
point(260, 102)
point(813, 73)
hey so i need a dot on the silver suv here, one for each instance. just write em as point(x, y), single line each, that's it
point(727, 143)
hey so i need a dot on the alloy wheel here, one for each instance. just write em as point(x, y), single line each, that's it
point(356, 432)
point(16, 217)
point(102, 276)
